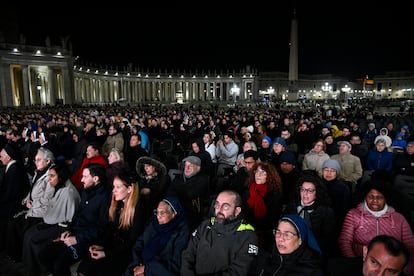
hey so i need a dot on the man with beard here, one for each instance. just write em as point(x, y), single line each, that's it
point(223, 244)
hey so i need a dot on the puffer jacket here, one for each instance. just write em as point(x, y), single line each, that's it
point(360, 226)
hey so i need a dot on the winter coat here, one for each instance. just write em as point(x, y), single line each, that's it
point(113, 141)
point(168, 261)
point(379, 160)
point(40, 195)
point(220, 249)
point(360, 226)
point(314, 161)
point(157, 184)
point(303, 261)
point(321, 220)
point(351, 168)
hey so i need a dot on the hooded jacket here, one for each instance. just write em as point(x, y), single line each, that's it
point(157, 184)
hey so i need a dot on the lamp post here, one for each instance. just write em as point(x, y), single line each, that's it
point(346, 89)
point(235, 92)
point(326, 88)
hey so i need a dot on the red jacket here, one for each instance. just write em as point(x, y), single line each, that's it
point(77, 176)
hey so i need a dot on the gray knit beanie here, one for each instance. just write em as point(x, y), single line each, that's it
point(333, 164)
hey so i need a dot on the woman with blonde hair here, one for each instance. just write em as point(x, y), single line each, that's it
point(112, 255)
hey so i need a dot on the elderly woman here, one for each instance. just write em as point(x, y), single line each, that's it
point(158, 250)
point(113, 254)
point(314, 159)
point(154, 182)
point(36, 203)
point(115, 164)
point(313, 205)
point(263, 200)
point(61, 208)
point(338, 190)
point(374, 217)
point(295, 250)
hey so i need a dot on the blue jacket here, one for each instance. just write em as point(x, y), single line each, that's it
point(379, 160)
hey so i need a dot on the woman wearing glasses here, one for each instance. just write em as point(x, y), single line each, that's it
point(263, 201)
point(295, 250)
point(313, 205)
point(158, 250)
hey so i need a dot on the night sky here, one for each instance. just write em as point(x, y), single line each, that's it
point(345, 38)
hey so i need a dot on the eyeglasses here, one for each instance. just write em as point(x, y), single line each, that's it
point(259, 172)
point(286, 235)
point(308, 191)
point(224, 206)
point(161, 213)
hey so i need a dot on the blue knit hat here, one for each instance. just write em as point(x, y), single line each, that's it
point(288, 157)
point(280, 141)
point(304, 231)
point(267, 138)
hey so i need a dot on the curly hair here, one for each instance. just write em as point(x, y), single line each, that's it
point(273, 179)
point(322, 196)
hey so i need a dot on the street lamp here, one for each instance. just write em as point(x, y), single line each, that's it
point(235, 91)
point(326, 88)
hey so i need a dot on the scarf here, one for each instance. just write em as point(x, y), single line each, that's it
point(163, 233)
point(376, 214)
point(305, 210)
point(255, 200)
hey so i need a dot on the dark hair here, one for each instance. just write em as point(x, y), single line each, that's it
point(237, 198)
point(128, 176)
point(322, 196)
point(393, 246)
point(251, 153)
point(98, 170)
point(62, 172)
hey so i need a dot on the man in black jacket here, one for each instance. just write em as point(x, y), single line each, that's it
point(223, 244)
point(87, 226)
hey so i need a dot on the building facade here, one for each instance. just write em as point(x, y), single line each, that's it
point(31, 75)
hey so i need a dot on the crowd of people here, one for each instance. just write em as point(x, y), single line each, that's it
point(128, 191)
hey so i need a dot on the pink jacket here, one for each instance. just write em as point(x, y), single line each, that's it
point(360, 226)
